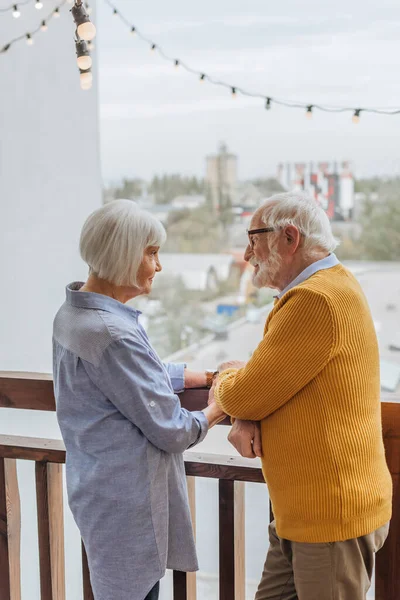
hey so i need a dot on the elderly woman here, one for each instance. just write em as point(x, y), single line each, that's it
point(122, 423)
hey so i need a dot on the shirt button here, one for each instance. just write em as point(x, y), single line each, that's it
point(152, 403)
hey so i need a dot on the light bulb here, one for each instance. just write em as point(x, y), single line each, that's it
point(84, 62)
point(86, 86)
point(43, 26)
point(309, 112)
point(38, 5)
point(153, 47)
point(176, 64)
point(356, 116)
point(16, 13)
point(202, 77)
point(86, 78)
point(115, 12)
point(233, 92)
point(268, 104)
point(87, 31)
point(133, 30)
point(29, 39)
point(56, 13)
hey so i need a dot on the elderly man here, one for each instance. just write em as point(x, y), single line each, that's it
point(313, 384)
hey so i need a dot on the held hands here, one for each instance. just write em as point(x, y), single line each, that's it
point(231, 364)
point(245, 436)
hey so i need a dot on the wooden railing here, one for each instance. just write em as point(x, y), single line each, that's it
point(35, 392)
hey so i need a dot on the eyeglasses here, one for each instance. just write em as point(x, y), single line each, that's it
point(251, 232)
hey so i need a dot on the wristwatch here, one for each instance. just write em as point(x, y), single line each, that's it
point(210, 376)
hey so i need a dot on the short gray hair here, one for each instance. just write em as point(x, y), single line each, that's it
point(301, 210)
point(114, 238)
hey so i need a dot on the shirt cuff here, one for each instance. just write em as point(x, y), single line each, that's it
point(203, 423)
point(176, 372)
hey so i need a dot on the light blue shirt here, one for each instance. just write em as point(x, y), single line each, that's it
point(325, 263)
point(124, 432)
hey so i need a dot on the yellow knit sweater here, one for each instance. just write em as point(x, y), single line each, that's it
point(313, 382)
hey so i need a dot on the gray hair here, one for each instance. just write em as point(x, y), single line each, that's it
point(114, 238)
point(301, 210)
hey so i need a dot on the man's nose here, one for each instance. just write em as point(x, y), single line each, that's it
point(248, 253)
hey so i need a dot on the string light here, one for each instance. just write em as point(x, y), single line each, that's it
point(56, 13)
point(28, 36)
point(85, 28)
point(233, 92)
point(238, 90)
point(356, 116)
point(84, 60)
point(115, 12)
point(16, 13)
point(133, 30)
point(38, 5)
point(309, 112)
point(176, 64)
point(86, 79)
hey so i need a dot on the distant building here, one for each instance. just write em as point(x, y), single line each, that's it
point(188, 202)
point(221, 179)
point(201, 272)
point(331, 184)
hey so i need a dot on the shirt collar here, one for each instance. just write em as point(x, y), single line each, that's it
point(319, 265)
point(98, 301)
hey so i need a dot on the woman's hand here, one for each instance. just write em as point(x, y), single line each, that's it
point(214, 414)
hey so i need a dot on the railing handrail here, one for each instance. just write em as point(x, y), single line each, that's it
point(34, 391)
point(215, 466)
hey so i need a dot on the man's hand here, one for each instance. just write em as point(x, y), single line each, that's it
point(245, 436)
point(231, 364)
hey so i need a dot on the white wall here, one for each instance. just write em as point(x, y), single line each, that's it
point(49, 181)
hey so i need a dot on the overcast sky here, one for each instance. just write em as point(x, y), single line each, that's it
point(157, 119)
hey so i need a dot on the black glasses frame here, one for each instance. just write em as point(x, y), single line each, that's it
point(262, 230)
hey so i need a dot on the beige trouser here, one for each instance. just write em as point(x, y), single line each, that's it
point(333, 571)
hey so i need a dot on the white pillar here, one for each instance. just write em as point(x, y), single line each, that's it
point(49, 180)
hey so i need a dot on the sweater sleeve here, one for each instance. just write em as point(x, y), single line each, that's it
point(297, 345)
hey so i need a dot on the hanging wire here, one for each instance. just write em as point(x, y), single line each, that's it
point(269, 100)
point(14, 4)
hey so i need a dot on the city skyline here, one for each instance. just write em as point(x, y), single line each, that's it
point(155, 118)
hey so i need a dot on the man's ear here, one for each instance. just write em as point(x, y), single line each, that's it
point(292, 236)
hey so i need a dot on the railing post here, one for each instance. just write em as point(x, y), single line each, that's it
point(87, 587)
point(180, 585)
point(191, 580)
point(10, 531)
point(50, 531)
point(231, 540)
point(387, 575)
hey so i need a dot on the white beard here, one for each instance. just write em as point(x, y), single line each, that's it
point(267, 271)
